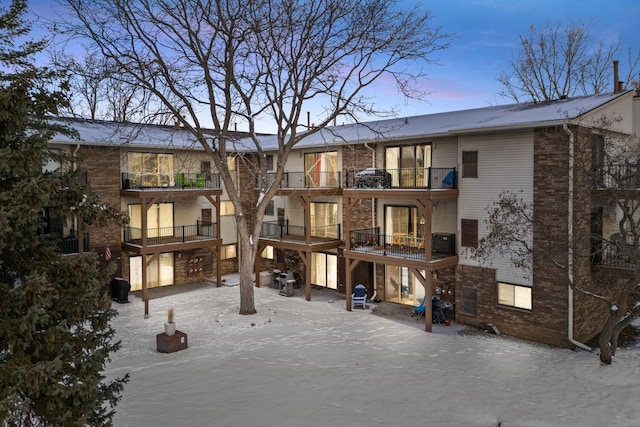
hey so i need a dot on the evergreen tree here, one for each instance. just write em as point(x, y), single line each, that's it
point(55, 333)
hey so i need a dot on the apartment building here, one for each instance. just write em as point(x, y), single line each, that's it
point(392, 204)
point(181, 227)
point(413, 198)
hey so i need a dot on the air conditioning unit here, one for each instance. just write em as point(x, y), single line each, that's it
point(444, 244)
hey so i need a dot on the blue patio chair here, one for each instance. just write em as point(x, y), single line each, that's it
point(359, 296)
point(419, 310)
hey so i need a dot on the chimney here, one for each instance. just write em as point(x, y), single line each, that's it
point(616, 83)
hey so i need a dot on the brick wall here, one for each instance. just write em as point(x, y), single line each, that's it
point(547, 322)
point(103, 172)
point(357, 157)
point(102, 165)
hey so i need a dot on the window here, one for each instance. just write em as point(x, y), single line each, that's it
point(159, 220)
point(469, 301)
point(469, 233)
point(159, 272)
point(469, 164)
point(514, 295)
point(324, 220)
point(269, 162)
point(150, 170)
point(270, 210)
point(53, 161)
point(404, 225)
point(324, 270)
point(267, 252)
point(227, 208)
point(231, 163)
point(408, 165)
point(228, 251)
point(402, 286)
point(321, 169)
point(205, 168)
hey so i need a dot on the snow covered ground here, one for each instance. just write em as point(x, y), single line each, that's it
point(312, 363)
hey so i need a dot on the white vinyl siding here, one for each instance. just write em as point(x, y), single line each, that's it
point(505, 163)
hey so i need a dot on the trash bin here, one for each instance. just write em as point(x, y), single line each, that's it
point(266, 278)
point(120, 290)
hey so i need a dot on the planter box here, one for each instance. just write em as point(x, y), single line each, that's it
point(173, 343)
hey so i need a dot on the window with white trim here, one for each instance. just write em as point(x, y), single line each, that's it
point(514, 295)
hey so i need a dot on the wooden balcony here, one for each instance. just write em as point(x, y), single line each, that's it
point(314, 183)
point(170, 239)
point(620, 178)
point(295, 237)
point(371, 246)
point(619, 256)
point(193, 184)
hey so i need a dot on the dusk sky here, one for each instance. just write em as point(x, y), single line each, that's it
point(487, 37)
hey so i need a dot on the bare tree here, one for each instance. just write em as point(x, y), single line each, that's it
point(98, 90)
point(553, 61)
point(242, 61)
point(612, 243)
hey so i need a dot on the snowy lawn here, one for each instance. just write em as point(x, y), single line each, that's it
point(305, 363)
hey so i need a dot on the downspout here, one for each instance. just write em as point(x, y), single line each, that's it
point(570, 238)
point(74, 165)
point(75, 152)
point(373, 201)
point(373, 215)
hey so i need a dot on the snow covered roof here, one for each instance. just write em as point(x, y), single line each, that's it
point(98, 132)
point(523, 115)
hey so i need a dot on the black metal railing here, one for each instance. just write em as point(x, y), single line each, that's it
point(282, 231)
point(427, 178)
point(617, 177)
point(370, 240)
point(70, 245)
point(181, 180)
point(177, 234)
point(617, 255)
point(306, 180)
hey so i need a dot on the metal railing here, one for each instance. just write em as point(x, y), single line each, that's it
point(181, 180)
point(427, 178)
point(177, 234)
point(617, 177)
point(69, 244)
point(306, 180)
point(283, 231)
point(370, 240)
point(618, 255)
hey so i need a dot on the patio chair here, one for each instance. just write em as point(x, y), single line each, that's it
point(359, 296)
point(419, 309)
